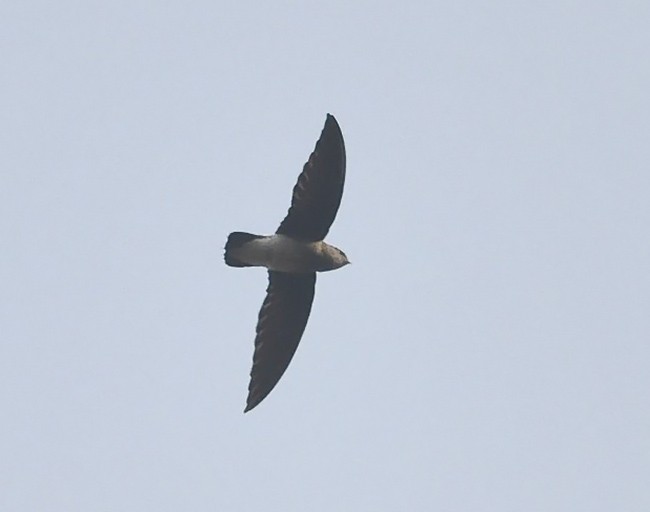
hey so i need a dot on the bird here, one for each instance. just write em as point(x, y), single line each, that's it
point(293, 256)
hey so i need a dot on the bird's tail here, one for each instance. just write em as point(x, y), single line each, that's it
point(235, 241)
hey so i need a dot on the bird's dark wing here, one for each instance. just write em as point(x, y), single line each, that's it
point(317, 194)
point(280, 325)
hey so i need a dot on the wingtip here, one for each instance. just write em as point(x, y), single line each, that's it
point(250, 406)
point(332, 126)
point(252, 401)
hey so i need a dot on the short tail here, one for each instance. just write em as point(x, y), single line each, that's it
point(235, 241)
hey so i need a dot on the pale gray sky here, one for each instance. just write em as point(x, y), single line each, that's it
point(487, 350)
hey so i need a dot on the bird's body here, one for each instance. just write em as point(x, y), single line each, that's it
point(292, 256)
point(282, 253)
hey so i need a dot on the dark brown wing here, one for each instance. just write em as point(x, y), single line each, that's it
point(280, 325)
point(317, 194)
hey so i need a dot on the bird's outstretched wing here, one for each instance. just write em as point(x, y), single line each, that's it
point(280, 325)
point(317, 194)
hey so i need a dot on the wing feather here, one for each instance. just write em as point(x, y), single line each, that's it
point(282, 320)
point(317, 194)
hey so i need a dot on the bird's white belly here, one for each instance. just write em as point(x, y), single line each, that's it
point(282, 254)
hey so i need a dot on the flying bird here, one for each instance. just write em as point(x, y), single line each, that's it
point(292, 256)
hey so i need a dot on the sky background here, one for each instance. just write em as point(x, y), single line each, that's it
point(487, 350)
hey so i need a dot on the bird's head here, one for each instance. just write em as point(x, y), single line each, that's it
point(342, 258)
point(338, 257)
